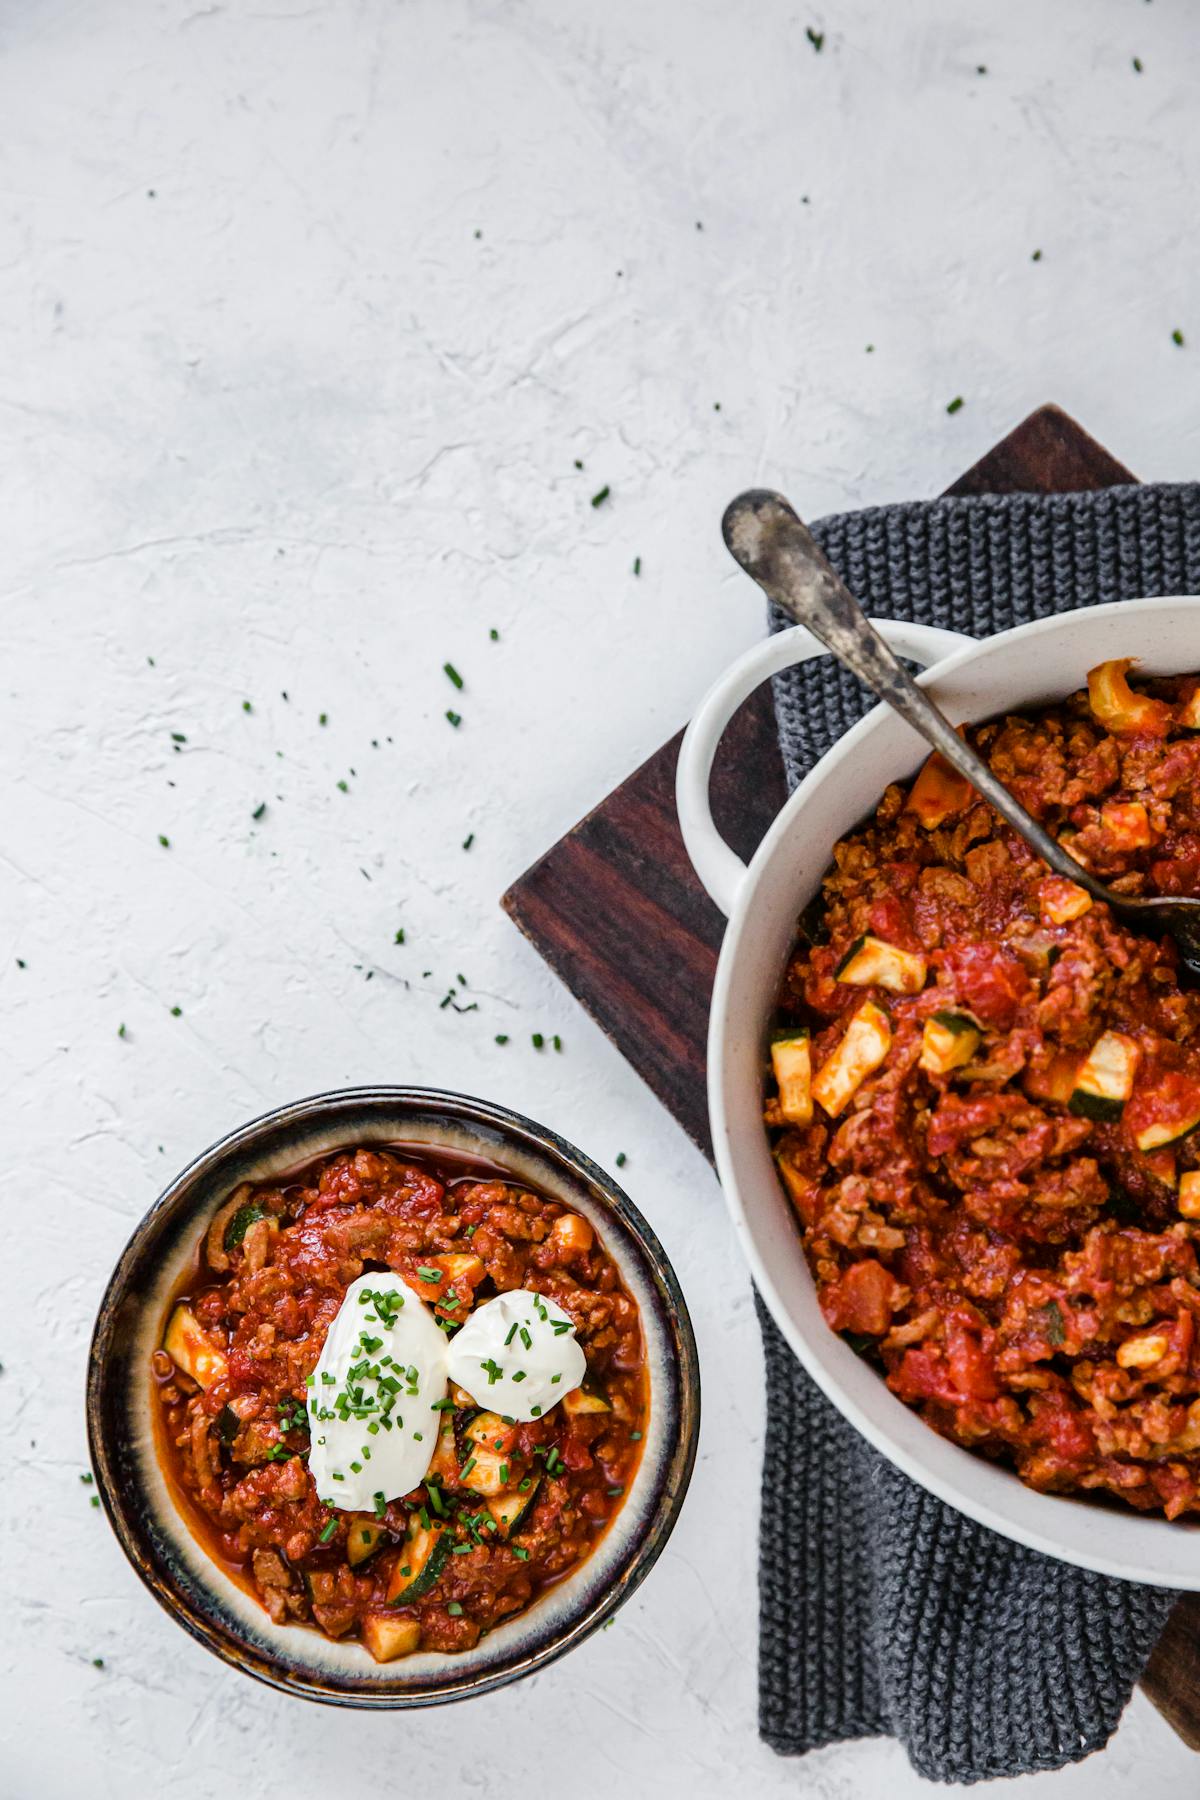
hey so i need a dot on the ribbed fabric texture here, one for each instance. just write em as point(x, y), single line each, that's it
point(883, 1612)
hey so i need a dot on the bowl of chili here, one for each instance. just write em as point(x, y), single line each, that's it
point(209, 1420)
point(974, 1205)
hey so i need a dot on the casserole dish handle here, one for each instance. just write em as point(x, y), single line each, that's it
point(718, 867)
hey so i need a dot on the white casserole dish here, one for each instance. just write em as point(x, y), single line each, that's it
point(1028, 666)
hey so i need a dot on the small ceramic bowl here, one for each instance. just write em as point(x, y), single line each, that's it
point(153, 1533)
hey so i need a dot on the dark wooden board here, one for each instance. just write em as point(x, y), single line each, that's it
point(618, 913)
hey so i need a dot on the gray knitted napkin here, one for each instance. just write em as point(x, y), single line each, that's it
point(883, 1612)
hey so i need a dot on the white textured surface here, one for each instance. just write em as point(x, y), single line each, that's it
point(274, 415)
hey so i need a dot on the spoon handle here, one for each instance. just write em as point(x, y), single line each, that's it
point(764, 535)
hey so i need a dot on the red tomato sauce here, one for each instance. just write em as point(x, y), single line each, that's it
point(266, 1284)
point(1012, 1240)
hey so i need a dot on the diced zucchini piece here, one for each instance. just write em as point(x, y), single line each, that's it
point(1189, 1194)
point(387, 1639)
point(445, 1456)
point(459, 1267)
point(872, 963)
point(511, 1509)
point(938, 793)
point(792, 1066)
point(948, 1041)
point(571, 1235)
point(1117, 707)
point(242, 1220)
point(1062, 901)
point(419, 1562)
point(486, 1471)
point(1126, 824)
point(228, 1424)
point(192, 1350)
point(362, 1540)
point(864, 1047)
point(1154, 1137)
point(577, 1401)
point(486, 1428)
point(1105, 1081)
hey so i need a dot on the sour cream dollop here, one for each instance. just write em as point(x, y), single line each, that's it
point(372, 1407)
point(517, 1355)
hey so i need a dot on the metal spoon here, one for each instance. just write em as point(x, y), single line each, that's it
point(773, 545)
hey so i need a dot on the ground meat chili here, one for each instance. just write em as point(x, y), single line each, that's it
point(983, 1095)
point(247, 1327)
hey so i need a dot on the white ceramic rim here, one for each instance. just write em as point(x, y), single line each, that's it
point(1133, 1546)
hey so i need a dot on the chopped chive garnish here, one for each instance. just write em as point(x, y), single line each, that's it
point(454, 1609)
point(454, 718)
point(329, 1531)
point(452, 673)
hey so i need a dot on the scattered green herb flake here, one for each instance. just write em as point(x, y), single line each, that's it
point(538, 1041)
point(452, 674)
point(399, 937)
point(602, 496)
point(21, 963)
point(95, 1499)
point(177, 1012)
point(97, 1662)
point(343, 787)
point(502, 1037)
point(454, 1609)
point(1177, 337)
point(1051, 1321)
point(87, 1478)
point(259, 810)
point(622, 1159)
point(578, 464)
point(815, 38)
point(177, 737)
point(556, 1041)
point(468, 840)
point(1036, 257)
point(454, 718)
point(246, 706)
point(637, 565)
point(329, 1531)
point(1137, 64)
point(121, 1032)
point(322, 718)
point(494, 635)
point(164, 841)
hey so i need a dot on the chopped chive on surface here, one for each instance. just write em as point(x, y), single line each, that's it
point(399, 938)
point(1137, 64)
point(956, 405)
point(454, 1609)
point(1036, 257)
point(502, 1037)
point(322, 718)
point(468, 840)
point(177, 1012)
point(121, 1031)
point(164, 841)
point(329, 1531)
point(601, 497)
point(494, 635)
point(449, 670)
point(622, 1159)
point(177, 737)
point(815, 38)
point(343, 787)
point(557, 1041)
point(454, 718)
point(637, 565)
point(538, 1041)
point(259, 810)
point(1177, 337)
